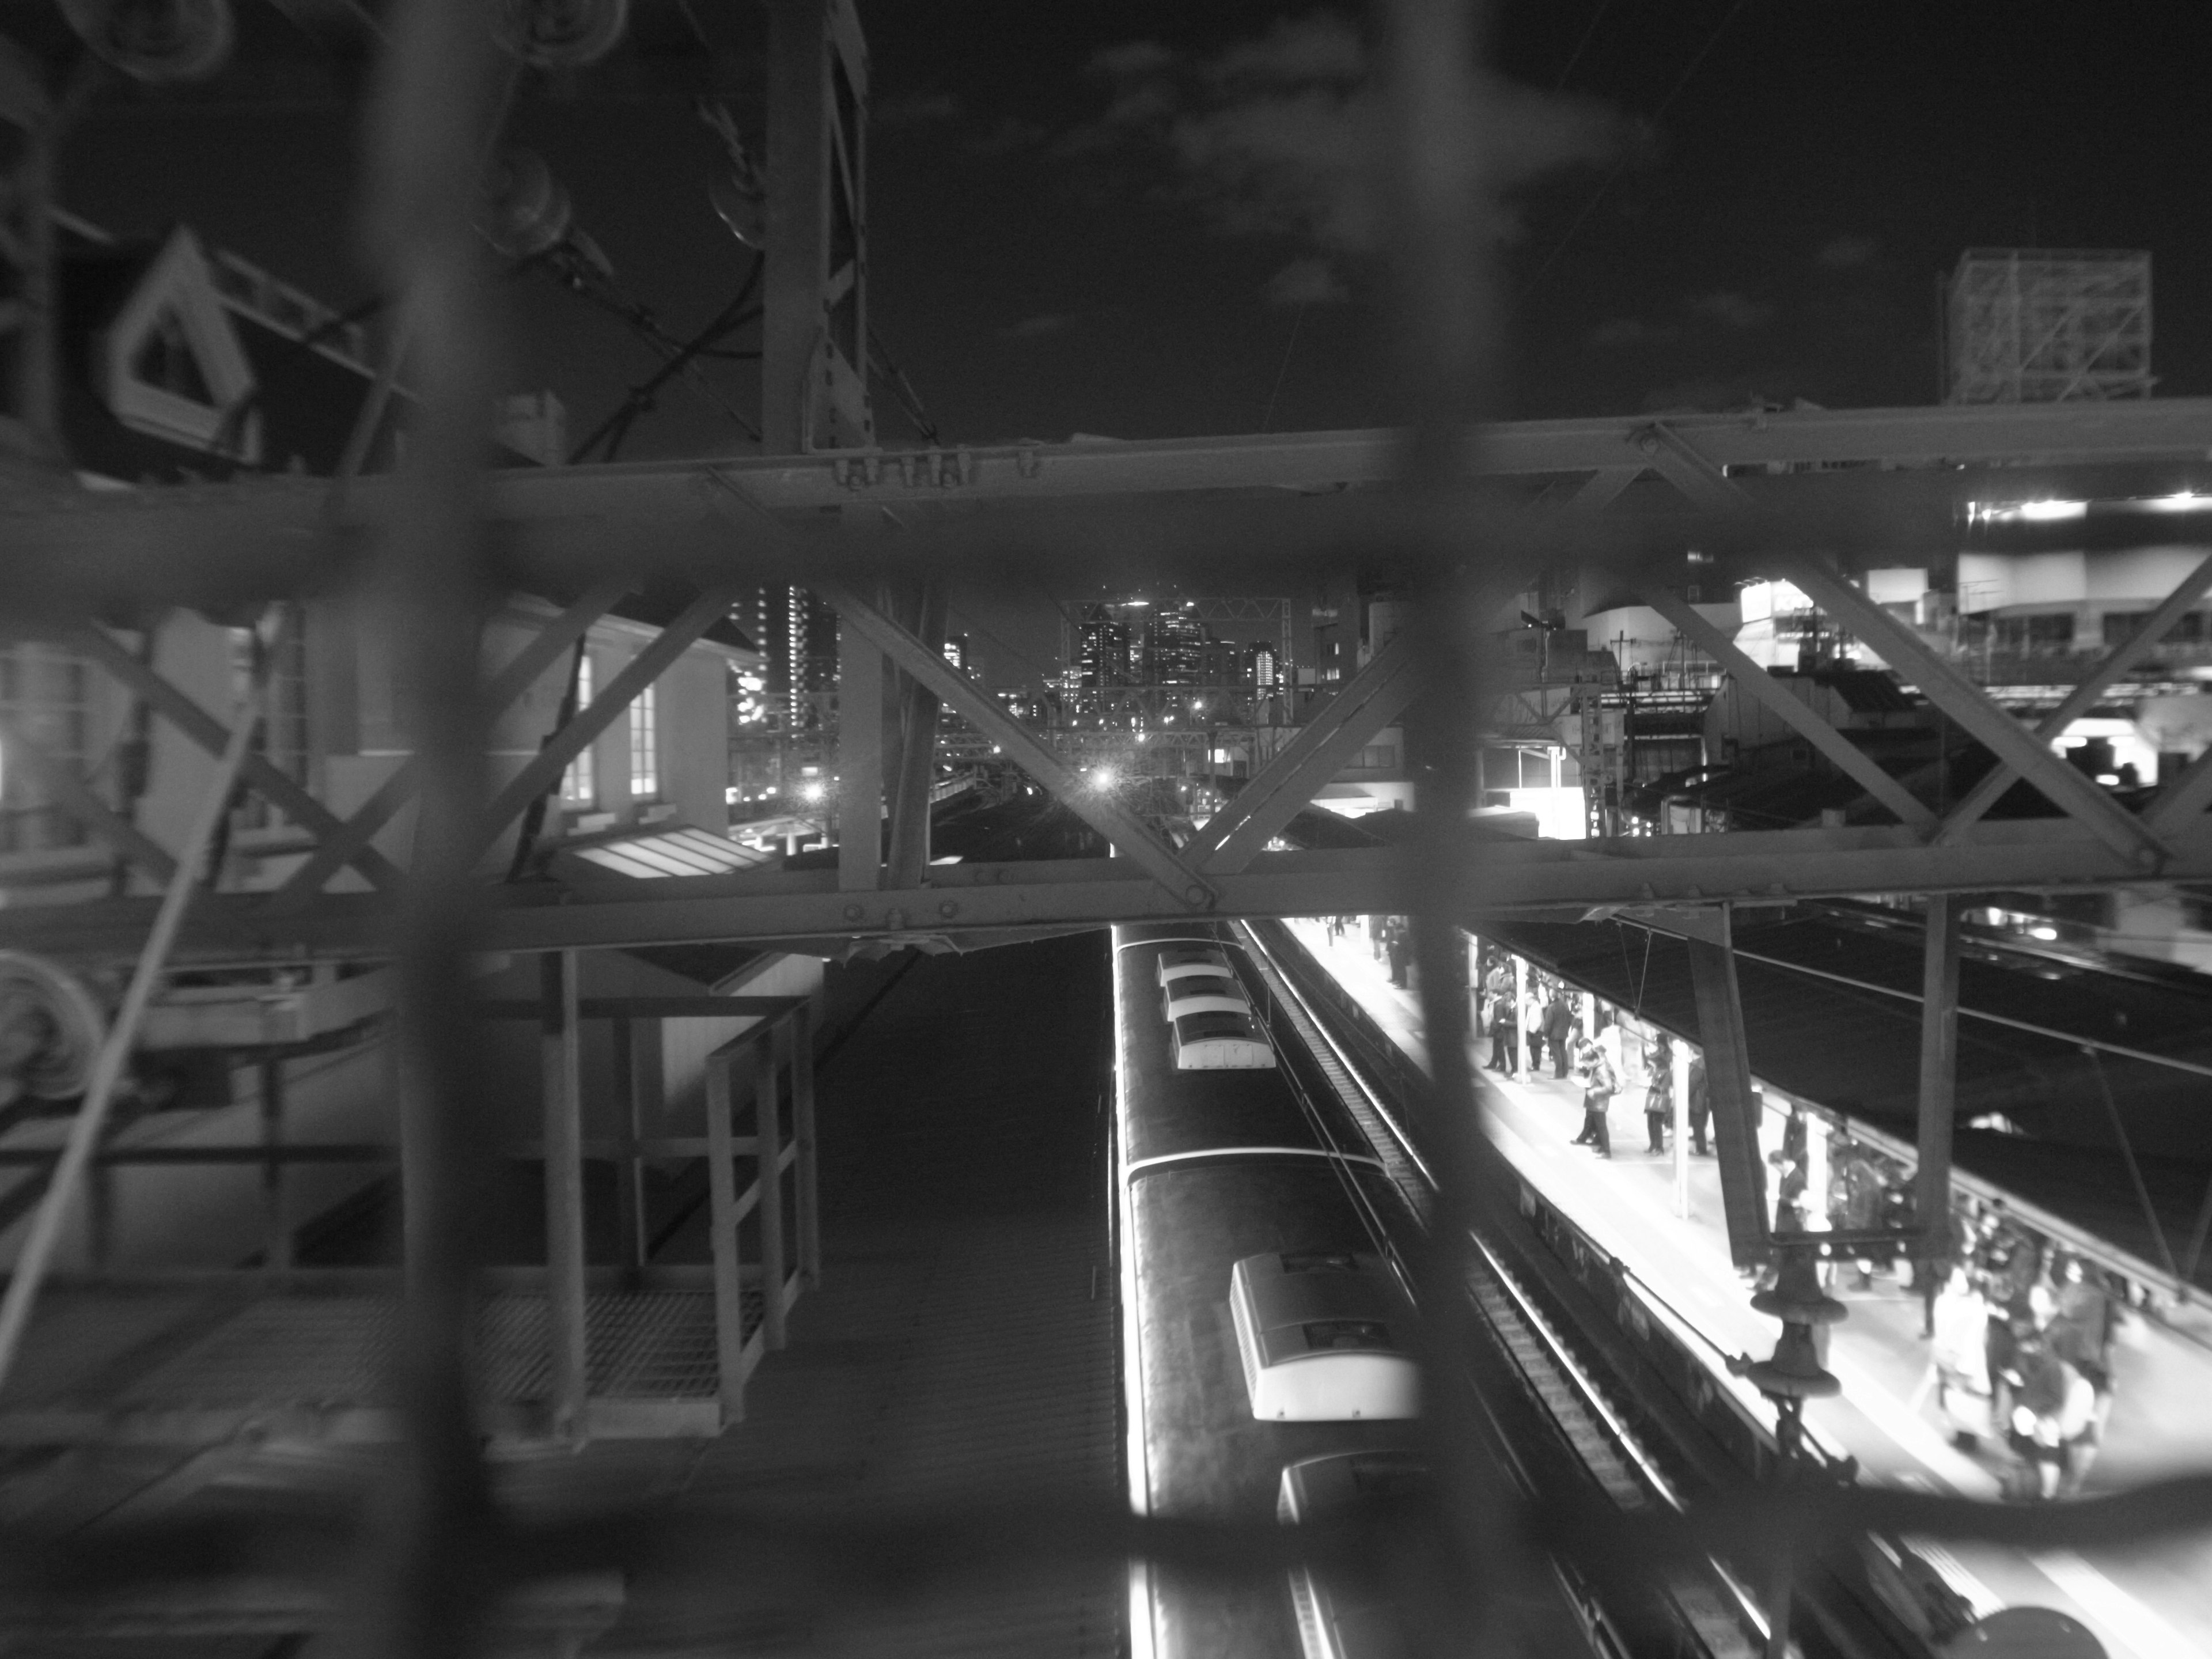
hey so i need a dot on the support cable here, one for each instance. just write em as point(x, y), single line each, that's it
point(682, 356)
point(1613, 178)
point(2135, 1170)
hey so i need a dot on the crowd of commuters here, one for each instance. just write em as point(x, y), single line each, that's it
point(2020, 1331)
point(2022, 1345)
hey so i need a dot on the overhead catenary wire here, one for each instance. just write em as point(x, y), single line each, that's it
point(733, 316)
point(1606, 184)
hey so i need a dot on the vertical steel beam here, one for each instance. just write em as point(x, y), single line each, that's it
point(562, 1081)
point(1681, 1083)
point(859, 760)
point(722, 1237)
point(1939, 1076)
point(768, 1127)
point(1518, 1061)
point(29, 415)
point(629, 1129)
point(807, 1183)
point(814, 295)
point(918, 712)
point(1721, 1034)
point(276, 1211)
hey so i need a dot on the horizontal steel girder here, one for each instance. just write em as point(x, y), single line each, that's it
point(976, 899)
point(1893, 480)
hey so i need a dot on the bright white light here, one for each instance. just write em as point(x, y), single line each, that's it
point(2043, 932)
point(811, 791)
point(2187, 502)
point(1104, 777)
point(2033, 512)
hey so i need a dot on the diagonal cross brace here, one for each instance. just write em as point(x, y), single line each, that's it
point(2013, 744)
point(2182, 802)
point(75, 797)
point(2083, 697)
point(211, 734)
point(1369, 701)
point(1758, 683)
point(1124, 830)
point(544, 769)
point(539, 653)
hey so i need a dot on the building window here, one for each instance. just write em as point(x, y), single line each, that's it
point(580, 785)
point(45, 696)
point(644, 747)
point(283, 739)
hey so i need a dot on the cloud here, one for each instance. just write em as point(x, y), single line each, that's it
point(913, 109)
point(1044, 324)
point(1617, 333)
point(1298, 51)
point(1847, 253)
point(1280, 138)
point(1307, 281)
point(1732, 310)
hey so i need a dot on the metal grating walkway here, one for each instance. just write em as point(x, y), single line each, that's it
point(180, 1368)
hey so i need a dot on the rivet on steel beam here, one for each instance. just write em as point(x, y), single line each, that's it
point(948, 910)
point(1193, 894)
point(852, 913)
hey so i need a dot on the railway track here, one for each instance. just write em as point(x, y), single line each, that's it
point(1592, 1433)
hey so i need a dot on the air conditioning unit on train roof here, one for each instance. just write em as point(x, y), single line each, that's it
point(1180, 962)
point(1221, 1041)
point(1325, 1338)
point(1204, 994)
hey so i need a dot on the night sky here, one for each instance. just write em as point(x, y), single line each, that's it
point(1152, 219)
point(1149, 219)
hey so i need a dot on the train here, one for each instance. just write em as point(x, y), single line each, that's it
point(1267, 1333)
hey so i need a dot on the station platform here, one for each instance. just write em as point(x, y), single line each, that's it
point(2144, 1603)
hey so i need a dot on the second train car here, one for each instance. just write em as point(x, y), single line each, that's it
point(1231, 1202)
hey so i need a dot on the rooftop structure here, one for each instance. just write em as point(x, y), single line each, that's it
point(2030, 325)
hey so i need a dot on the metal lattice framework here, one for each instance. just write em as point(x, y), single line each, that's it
point(1469, 510)
point(2029, 326)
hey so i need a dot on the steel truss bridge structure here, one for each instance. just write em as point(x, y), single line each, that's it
point(1774, 493)
point(1469, 510)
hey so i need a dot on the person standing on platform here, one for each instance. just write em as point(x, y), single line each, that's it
point(1399, 949)
point(1559, 1028)
point(2081, 1333)
point(1505, 1030)
point(1532, 1025)
point(1960, 1354)
point(1659, 1098)
point(1700, 1104)
point(1600, 1085)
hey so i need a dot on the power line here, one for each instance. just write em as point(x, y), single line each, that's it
point(1613, 178)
